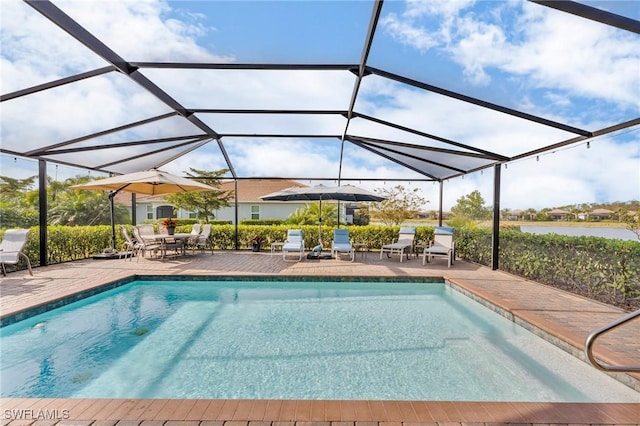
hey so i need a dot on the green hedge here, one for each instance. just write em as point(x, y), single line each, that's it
point(600, 268)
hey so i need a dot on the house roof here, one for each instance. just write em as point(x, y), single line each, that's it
point(602, 211)
point(199, 105)
point(252, 189)
point(557, 211)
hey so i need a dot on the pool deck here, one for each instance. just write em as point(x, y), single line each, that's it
point(563, 318)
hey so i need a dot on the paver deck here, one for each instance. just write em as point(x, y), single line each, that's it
point(561, 317)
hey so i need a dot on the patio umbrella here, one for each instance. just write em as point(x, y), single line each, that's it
point(149, 182)
point(321, 192)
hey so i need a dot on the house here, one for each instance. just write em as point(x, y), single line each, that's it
point(557, 214)
point(515, 214)
point(250, 206)
point(599, 214)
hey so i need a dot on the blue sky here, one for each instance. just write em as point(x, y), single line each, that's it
point(517, 54)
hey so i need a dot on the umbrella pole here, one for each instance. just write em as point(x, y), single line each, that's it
point(320, 224)
point(112, 195)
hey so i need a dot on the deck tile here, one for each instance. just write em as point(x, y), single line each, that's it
point(377, 410)
point(150, 409)
point(332, 411)
point(422, 412)
point(303, 411)
point(213, 410)
point(347, 411)
point(228, 409)
point(258, 410)
point(272, 411)
point(288, 410)
point(243, 409)
point(317, 410)
point(363, 411)
point(393, 412)
point(198, 409)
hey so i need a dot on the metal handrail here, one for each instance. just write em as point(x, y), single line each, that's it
point(588, 344)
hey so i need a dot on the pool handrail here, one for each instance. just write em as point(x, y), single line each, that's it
point(591, 338)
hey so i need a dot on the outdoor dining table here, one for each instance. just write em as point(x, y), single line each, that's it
point(162, 238)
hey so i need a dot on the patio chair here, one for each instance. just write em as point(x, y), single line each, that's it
point(192, 242)
point(294, 244)
point(144, 245)
point(11, 248)
point(342, 244)
point(402, 246)
point(129, 246)
point(441, 246)
point(169, 243)
point(203, 239)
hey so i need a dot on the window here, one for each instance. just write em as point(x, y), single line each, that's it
point(149, 212)
point(255, 212)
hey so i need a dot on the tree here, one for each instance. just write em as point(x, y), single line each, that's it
point(16, 209)
point(472, 206)
point(633, 221)
point(400, 204)
point(309, 214)
point(80, 207)
point(205, 203)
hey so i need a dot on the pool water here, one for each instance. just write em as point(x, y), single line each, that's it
point(290, 340)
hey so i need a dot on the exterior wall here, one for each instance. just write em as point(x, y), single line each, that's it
point(268, 210)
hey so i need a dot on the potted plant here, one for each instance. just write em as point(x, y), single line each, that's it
point(170, 224)
point(256, 242)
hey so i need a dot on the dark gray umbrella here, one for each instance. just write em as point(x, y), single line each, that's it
point(321, 192)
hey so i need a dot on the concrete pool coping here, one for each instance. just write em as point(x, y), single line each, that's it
point(552, 313)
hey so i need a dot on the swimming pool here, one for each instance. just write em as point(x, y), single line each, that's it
point(289, 340)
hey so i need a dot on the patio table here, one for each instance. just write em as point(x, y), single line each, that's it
point(162, 238)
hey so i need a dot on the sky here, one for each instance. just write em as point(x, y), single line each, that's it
point(516, 54)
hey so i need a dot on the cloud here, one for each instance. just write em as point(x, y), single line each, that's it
point(34, 51)
point(524, 41)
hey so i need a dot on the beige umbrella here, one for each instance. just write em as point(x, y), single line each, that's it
point(150, 182)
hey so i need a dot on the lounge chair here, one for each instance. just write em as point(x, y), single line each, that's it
point(129, 247)
point(203, 239)
point(441, 246)
point(293, 244)
point(402, 246)
point(342, 244)
point(195, 236)
point(11, 248)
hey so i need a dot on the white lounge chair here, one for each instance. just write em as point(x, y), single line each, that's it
point(402, 246)
point(293, 244)
point(203, 239)
point(342, 243)
point(11, 248)
point(441, 246)
point(129, 247)
point(195, 237)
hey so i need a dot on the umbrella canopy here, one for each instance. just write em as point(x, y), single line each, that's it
point(149, 182)
point(321, 192)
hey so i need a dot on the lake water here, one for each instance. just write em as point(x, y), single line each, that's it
point(579, 231)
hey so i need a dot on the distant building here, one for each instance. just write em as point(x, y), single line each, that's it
point(600, 214)
point(557, 214)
